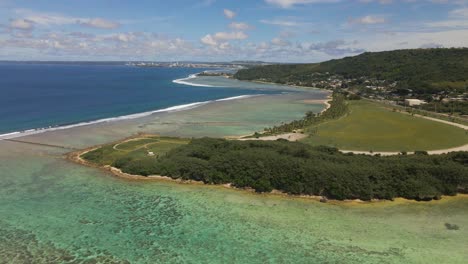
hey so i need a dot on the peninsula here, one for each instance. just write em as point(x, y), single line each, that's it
point(321, 164)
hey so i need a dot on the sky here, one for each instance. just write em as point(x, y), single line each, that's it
point(225, 30)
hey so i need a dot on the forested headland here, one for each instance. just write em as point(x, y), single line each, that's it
point(300, 169)
point(424, 71)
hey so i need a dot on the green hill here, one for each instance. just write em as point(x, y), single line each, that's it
point(422, 70)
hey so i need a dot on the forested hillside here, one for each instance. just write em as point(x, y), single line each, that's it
point(422, 70)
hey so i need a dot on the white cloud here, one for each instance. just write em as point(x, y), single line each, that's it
point(209, 40)
point(280, 22)
point(287, 34)
point(221, 40)
point(368, 20)
point(45, 19)
point(462, 12)
point(21, 24)
point(229, 13)
point(280, 42)
point(99, 23)
point(239, 26)
point(290, 3)
point(399, 40)
point(49, 19)
point(129, 45)
point(448, 24)
point(458, 18)
point(238, 35)
point(128, 37)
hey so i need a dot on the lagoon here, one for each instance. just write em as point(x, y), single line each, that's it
point(52, 210)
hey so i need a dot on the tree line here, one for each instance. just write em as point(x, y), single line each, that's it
point(300, 169)
point(424, 71)
point(338, 107)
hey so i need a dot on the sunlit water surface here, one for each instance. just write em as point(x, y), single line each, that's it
point(54, 211)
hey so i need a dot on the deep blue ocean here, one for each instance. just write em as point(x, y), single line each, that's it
point(42, 95)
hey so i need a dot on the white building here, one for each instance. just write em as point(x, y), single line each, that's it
point(413, 102)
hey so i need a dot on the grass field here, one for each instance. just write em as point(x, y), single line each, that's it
point(369, 126)
point(135, 148)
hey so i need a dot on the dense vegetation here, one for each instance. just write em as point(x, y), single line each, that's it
point(424, 71)
point(337, 109)
point(449, 107)
point(297, 168)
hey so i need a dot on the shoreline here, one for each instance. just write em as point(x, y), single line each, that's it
point(175, 108)
point(295, 86)
point(292, 136)
point(75, 157)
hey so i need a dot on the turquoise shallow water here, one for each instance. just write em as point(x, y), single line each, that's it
point(54, 211)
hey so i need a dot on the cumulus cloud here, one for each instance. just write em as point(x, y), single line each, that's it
point(40, 34)
point(368, 20)
point(335, 47)
point(461, 12)
point(229, 13)
point(99, 23)
point(45, 19)
point(409, 39)
point(240, 26)
point(238, 35)
point(120, 45)
point(209, 40)
point(50, 19)
point(287, 34)
point(218, 37)
point(280, 42)
point(21, 24)
point(280, 22)
point(457, 18)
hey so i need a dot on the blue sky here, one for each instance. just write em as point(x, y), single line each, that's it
point(222, 30)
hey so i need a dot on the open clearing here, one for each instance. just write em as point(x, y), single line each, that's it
point(135, 148)
point(371, 127)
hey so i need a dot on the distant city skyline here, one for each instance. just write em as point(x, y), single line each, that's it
point(221, 30)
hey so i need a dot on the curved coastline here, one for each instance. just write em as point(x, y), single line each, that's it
point(182, 107)
point(176, 108)
point(185, 81)
point(75, 157)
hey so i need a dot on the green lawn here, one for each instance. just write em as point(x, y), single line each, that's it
point(370, 126)
point(135, 148)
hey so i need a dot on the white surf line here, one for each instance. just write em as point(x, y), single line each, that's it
point(176, 108)
point(185, 81)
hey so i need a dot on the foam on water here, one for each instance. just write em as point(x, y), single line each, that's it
point(185, 81)
point(119, 118)
point(55, 211)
